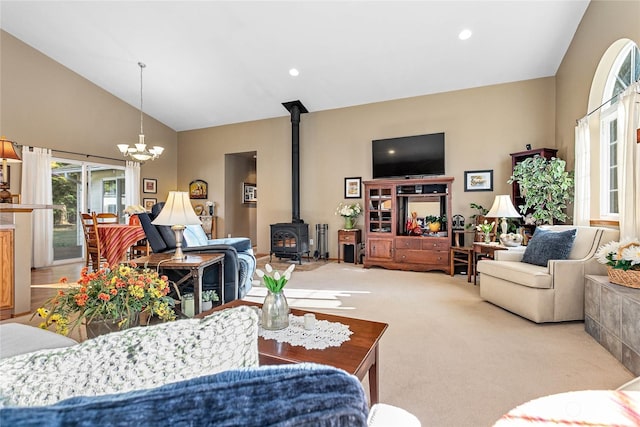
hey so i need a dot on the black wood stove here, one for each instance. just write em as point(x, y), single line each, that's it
point(291, 240)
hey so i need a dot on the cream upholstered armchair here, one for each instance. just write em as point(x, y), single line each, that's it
point(552, 292)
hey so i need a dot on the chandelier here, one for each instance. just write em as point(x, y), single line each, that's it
point(139, 151)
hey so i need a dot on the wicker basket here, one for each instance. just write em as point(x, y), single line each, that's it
point(629, 278)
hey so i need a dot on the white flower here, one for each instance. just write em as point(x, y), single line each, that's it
point(276, 275)
point(260, 273)
point(351, 211)
point(606, 249)
point(623, 254)
point(632, 253)
point(268, 268)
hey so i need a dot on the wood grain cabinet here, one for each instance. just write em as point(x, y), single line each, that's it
point(388, 205)
point(6, 273)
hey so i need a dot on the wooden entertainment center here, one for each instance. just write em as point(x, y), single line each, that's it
point(388, 205)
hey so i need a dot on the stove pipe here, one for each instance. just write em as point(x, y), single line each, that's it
point(295, 108)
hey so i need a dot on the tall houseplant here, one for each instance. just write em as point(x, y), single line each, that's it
point(546, 186)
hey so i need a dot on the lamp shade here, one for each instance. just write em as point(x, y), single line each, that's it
point(177, 211)
point(503, 208)
point(8, 150)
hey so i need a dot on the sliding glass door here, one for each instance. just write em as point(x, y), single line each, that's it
point(82, 187)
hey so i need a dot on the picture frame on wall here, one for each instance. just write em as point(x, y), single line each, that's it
point(148, 203)
point(249, 193)
point(353, 187)
point(149, 185)
point(198, 189)
point(481, 180)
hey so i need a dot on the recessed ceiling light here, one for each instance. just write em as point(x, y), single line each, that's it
point(294, 72)
point(464, 34)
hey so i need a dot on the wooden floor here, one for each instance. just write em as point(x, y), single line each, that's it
point(51, 275)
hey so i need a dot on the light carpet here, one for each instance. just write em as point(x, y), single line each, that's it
point(449, 357)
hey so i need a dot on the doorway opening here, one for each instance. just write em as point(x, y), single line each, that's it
point(241, 195)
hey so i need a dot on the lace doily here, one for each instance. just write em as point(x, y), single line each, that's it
point(325, 334)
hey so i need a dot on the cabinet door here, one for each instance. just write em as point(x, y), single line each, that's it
point(380, 249)
point(6, 269)
point(380, 207)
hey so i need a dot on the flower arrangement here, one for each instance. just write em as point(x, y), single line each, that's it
point(272, 279)
point(622, 255)
point(353, 210)
point(108, 294)
point(485, 227)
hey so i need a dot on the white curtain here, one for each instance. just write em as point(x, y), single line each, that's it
point(629, 162)
point(582, 202)
point(36, 189)
point(132, 183)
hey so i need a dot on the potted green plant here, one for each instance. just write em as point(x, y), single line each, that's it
point(434, 222)
point(546, 186)
point(478, 216)
point(208, 297)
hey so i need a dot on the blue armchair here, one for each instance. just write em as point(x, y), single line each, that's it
point(239, 260)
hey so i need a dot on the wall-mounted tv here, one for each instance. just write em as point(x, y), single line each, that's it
point(408, 156)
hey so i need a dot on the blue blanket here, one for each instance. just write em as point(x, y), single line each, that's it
point(285, 395)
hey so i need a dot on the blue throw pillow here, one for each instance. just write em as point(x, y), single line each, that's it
point(546, 245)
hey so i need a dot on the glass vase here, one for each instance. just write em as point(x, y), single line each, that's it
point(487, 237)
point(275, 311)
point(97, 327)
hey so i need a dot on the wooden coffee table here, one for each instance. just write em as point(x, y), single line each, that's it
point(358, 356)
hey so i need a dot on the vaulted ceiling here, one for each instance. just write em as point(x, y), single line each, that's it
point(211, 63)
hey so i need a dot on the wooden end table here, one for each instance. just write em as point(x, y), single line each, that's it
point(194, 265)
point(486, 249)
point(349, 237)
point(358, 356)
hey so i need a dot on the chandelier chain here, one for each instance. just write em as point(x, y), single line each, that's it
point(142, 65)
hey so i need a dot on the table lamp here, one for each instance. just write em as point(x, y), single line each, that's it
point(7, 154)
point(178, 213)
point(503, 208)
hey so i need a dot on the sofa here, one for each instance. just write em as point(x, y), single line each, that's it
point(551, 290)
point(239, 260)
point(188, 372)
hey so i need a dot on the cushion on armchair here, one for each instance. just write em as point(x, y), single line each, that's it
point(546, 245)
point(133, 359)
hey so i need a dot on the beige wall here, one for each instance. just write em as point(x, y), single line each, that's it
point(44, 104)
point(603, 24)
point(482, 127)
point(239, 168)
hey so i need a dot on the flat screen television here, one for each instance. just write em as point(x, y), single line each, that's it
point(408, 156)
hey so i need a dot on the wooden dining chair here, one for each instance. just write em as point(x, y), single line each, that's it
point(107, 217)
point(139, 249)
point(91, 240)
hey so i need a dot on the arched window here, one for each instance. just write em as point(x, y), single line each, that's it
point(625, 71)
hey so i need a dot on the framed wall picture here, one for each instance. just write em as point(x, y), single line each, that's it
point(352, 188)
point(249, 193)
point(198, 189)
point(149, 185)
point(478, 180)
point(148, 204)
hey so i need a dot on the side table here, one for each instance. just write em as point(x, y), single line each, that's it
point(351, 237)
point(193, 265)
point(486, 249)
